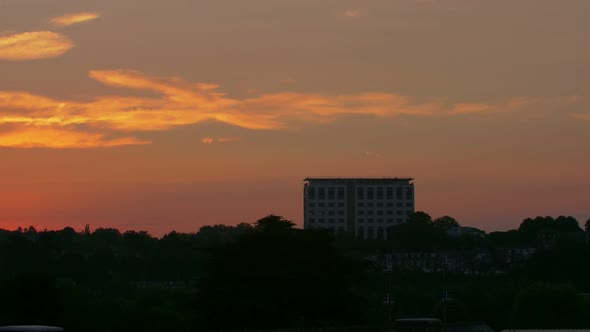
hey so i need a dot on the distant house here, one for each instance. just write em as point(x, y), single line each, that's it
point(548, 237)
point(509, 256)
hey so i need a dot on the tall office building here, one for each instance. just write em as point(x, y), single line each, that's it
point(366, 207)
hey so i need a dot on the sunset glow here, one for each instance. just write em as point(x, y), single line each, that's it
point(70, 19)
point(144, 116)
point(33, 45)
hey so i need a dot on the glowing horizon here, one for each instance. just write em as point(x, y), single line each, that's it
point(139, 116)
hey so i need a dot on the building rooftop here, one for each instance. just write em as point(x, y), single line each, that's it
point(360, 179)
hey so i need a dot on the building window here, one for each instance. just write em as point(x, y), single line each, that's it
point(361, 212)
point(399, 193)
point(361, 221)
point(398, 204)
point(379, 204)
point(409, 204)
point(321, 205)
point(390, 220)
point(370, 204)
point(361, 204)
point(379, 192)
point(370, 220)
point(330, 204)
point(331, 212)
point(400, 220)
point(311, 193)
point(409, 193)
point(331, 194)
point(311, 220)
point(389, 204)
point(340, 204)
point(370, 232)
point(370, 212)
point(389, 192)
point(380, 233)
point(379, 212)
point(360, 193)
point(341, 212)
point(321, 220)
point(340, 193)
point(330, 221)
point(390, 212)
point(321, 194)
point(311, 205)
point(370, 193)
point(341, 220)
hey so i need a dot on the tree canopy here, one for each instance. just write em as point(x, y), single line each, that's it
point(279, 276)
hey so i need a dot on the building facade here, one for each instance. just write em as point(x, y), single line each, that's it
point(366, 207)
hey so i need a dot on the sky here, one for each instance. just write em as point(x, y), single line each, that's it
point(170, 115)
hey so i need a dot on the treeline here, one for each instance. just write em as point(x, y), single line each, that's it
point(271, 275)
point(264, 275)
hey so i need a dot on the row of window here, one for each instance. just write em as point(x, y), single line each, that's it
point(387, 204)
point(340, 212)
point(325, 221)
point(369, 193)
point(371, 232)
point(390, 221)
point(378, 193)
point(326, 204)
point(380, 221)
point(326, 213)
point(325, 193)
point(383, 212)
point(362, 204)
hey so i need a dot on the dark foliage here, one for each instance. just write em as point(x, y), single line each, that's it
point(276, 276)
point(271, 275)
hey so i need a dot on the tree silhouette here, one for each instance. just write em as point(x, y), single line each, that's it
point(420, 217)
point(445, 223)
point(272, 223)
point(279, 276)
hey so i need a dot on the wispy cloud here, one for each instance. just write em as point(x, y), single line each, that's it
point(55, 137)
point(228, 139)
point(111, 120)
point(207, 140)
point(469, 108)
point(353, 13)
point(582, 116)
point(33, 45)
point(211, 140)
point(70, 19)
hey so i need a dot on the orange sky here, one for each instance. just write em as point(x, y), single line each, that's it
point(170, 115)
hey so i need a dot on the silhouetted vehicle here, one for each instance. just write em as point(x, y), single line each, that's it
point(31, 328)
point(418, 325)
